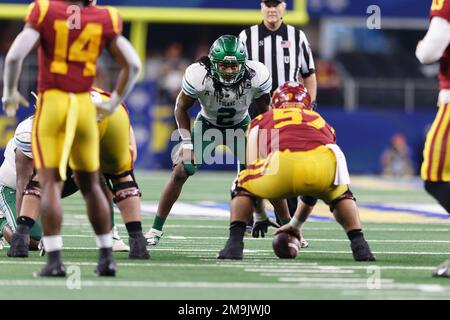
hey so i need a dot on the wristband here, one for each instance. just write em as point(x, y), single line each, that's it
point(295, 223)
point(260, 216)
point(187, 146)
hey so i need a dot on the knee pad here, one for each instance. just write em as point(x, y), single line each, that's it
point(32, 189)
point(346, 195)
point(119, 190)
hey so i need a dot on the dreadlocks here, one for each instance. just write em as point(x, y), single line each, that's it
point(238, 87)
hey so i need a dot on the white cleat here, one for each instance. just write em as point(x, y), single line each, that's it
point(304, 244)
point(1, 244)
point(41, 248)
point(153, 237)
point(118, 244)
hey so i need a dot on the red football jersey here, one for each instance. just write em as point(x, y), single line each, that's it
point(291, 129)
point(71, 40)
point(441, 8)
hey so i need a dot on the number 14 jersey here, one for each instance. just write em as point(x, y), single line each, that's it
point(71, 39)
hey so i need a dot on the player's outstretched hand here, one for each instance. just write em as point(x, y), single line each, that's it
point(11, 103)
point(289, 229)
point(260, 228)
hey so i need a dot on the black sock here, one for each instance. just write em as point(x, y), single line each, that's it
point(134, 228)
point(24, 224)
point(54, 257)
point(237, 230)
point(441, 192)
point(105, 253)
point(355, 234)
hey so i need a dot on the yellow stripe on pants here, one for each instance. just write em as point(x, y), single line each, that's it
point(71, 126)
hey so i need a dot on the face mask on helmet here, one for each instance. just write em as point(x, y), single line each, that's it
point(90, 2)
point(228, 56)
point(291, 95)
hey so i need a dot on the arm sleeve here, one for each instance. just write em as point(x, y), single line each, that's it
point(21, 47)
point(437, 39)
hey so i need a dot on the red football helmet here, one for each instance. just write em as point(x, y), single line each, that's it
point(291, 95)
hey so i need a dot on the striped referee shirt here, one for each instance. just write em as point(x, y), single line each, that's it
point(285, 52)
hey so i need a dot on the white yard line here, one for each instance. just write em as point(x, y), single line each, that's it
point(228, 285)
point(265, 266)
point(259, 251)
point(173, 239)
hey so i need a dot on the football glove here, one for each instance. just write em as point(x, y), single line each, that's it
point(107, 108)
point(11, 103)
point(260, 227)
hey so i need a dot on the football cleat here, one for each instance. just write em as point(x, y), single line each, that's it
point(361, 250)
point(233, 250)
point(248, 231)
point(443, 270)
point(118, 244)
point(153, 237)
point(106, 267)
point(19, 245)
point(138, 248)
point(304, 243)
point(52, 270)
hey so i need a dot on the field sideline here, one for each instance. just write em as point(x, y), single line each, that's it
point(407, 231)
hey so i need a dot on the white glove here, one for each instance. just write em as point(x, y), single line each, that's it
point(107, 108)
point(11, 103)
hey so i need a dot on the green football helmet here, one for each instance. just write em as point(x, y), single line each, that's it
point(228, 56)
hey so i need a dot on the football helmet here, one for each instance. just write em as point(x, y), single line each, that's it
point(291, 95)
point(228, 56)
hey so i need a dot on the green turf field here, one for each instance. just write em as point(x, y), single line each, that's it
point(184, 265)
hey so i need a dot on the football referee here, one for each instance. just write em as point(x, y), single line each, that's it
point(284, 49)
point(286, 52)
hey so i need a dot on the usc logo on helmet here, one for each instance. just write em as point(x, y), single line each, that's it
point(291, 95)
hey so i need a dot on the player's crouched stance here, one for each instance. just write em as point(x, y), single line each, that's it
point(297, 156)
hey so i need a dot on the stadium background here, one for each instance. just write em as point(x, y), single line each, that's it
point(370, 88)
point(369, 80)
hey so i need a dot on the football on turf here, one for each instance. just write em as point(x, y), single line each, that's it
point(285, 246)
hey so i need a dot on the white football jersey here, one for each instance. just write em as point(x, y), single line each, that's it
point(231, 108)
point(21, 141)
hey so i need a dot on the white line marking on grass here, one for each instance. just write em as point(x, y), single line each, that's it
point(249, 266)
point(269, 238)
point(263, 252)
point(406, 229)
point(223, 285)
point(328, 280)
point(299, 270)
